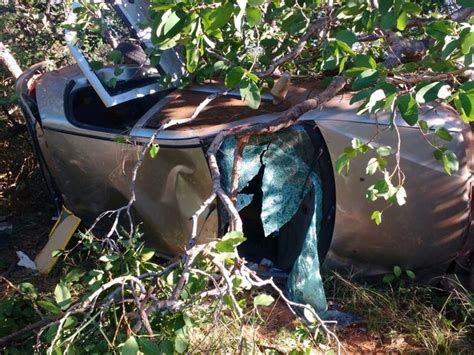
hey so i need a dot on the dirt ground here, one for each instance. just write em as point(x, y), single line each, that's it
point(26, 210)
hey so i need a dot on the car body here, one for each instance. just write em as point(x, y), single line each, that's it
point(87, 144)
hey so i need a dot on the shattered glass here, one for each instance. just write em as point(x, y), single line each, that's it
point(288, 178)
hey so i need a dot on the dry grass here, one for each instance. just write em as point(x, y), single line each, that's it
point(414, 318)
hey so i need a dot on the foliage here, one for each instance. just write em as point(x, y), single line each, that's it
point(422, 318)
point(113, 323)
point(32, 35)
point(400, 58)
point(399, 277)
point(249, 35)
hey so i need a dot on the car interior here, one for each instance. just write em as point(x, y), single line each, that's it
point(86, 110)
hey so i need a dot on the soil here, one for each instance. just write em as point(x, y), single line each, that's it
point(26, 210)
point(354, 339)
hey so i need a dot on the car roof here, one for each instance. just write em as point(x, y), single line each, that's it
point(134, 14)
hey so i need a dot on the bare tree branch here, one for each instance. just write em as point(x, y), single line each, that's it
point(287, 119)
point(312, 30)
point(9, 62)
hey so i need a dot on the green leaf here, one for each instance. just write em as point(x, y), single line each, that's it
point(379, 189)
point(130, 347)
point(180, 342)
point(230, 241)
point(449, 49)
point(365, 61)
point(294, 24)
point(118, 71)
point(238, 18)
point(342, 64)
point(432, 91)
point(397, 271)
point(410, 274)
point(444, 134)
point(344, 47)
point(147, 255)
point(115, 56)
point(465, 106)
point(192, 57)
point(411, 8)
point(465, 3)
point(467, 87)
point(359, 145)
point(175, 22)
point(401, 196)
point(389, 20)
point(148, 347)
point(361, 95)
point(74, 275)
point(384, 150)
point(111, 83)
point(376, 101)
point(467, 42)
point(250, 93)
point(402, 21)
point(263, 300)
point(439, 29)
point(424, 126)
point(96, 65)
point(388, 278)
point(28, 289)
point(108, 258)
point(62, 296)
point(255, 3)
point(347, 37)
point(408, 109)
point(154, 149)
point(234, 76)
point(360, 64)
point(372, 166)
point(220, 17)
point(166, 347)
point(342, 162)
point(385, 5)
point(450, 162)
point(365, 79)
point(351, 152)
point(49, 307)
point(376, 217)
point(253, 15)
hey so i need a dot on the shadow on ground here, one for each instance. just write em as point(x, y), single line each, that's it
point(26, 210)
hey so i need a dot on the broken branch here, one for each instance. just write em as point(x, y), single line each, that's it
point(287, 119)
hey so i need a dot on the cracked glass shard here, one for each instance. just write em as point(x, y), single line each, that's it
point(288, 176)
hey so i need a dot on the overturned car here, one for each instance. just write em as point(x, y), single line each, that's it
point(88, 138)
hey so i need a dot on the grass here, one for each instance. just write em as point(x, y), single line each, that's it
point(409, 319)
point(414, 318)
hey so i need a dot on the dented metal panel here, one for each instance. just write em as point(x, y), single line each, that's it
point(94, 176)
point(427, 232)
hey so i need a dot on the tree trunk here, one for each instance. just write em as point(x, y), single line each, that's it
point(9, 62)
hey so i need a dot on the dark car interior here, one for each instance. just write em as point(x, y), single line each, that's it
point(86, 109)
point(284, 247)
